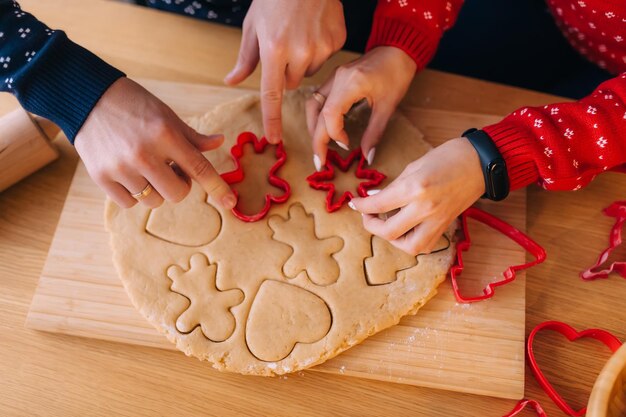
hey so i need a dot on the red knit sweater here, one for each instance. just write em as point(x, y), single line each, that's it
point(564, 145)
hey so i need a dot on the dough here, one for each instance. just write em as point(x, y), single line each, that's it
point(284, 293)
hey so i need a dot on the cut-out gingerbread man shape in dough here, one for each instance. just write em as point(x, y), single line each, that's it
point(209, 307)
point(311, 253)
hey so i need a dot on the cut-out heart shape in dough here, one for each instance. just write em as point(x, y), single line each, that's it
point(171, 222)
point(283, 315)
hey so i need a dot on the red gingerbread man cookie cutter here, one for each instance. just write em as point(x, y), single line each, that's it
point(320, 180)
point(237, 175)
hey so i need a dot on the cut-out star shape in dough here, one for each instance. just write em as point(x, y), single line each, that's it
point(310, 252)
point(209, 307)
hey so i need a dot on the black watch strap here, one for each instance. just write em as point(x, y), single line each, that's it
point(492, 164)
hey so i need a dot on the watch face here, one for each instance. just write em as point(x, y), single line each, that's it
point(498, 181)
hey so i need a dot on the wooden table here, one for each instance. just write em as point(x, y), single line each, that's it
point(46, 374)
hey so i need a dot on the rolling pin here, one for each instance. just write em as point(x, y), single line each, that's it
point(25, 146)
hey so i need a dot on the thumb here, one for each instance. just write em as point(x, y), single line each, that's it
point(203, 142)
point(246, 61)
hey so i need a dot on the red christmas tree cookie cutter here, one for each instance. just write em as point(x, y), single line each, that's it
point(237, 175)
point(465, 243)
point(612, 342)
point(617, 210)
point(320, 180)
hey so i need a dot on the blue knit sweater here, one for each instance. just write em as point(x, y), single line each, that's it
point(53, 77)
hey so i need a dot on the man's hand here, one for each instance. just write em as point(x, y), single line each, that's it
point(132, 139)
point(381, 76)
point(430, 193)
point(292, 39)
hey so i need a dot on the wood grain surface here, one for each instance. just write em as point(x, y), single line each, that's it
point(79, 292)
point(45, 374)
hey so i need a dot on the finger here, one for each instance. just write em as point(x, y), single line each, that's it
point(313, 107)
point(381, 114)
point(202, 142)
point(395, 226)
point(272, 85)
point(118, 194)
point(137, 183)
point(389, 198)
point(294, 74)
point(338, 103)
point(415, 241)
point(197, 167)
point(320, 144)
point(247, 60)
point(171, 186)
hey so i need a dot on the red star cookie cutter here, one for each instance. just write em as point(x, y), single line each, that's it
point(612, 342)
point(237, 175)
point(465, 243)
point(521, 405)
point(320, 180)
point(617, 210)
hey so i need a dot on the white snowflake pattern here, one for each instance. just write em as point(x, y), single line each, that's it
point(523, 111)
point(592, 110)
point(403, 3)
point(9, 82)
point(582, 4)
point(578, 187)
point(448, 6)
point(595, 125)
point(575, 163)
point(548, 152)
point(608, 96)
point(602, 142)
point(29, 55)
point(548, 180)
point(568, 133)
point(609, 15)
point(23, 32)
point(4, 60)
point(538, 122)
point(428, 15)
point(212, 15)
point(618, 38)
point(554, 111)
point(592, 25)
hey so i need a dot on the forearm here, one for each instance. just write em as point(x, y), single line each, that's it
point(415, 26)
point(49, 74)
point(565, 145)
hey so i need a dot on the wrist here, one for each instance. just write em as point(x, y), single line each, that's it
point(474, 172)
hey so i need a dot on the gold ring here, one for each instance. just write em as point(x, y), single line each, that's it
point(143, 193)
point(319, 97)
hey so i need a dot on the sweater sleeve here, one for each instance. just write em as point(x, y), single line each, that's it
point(565, 145)
point(415, 26)
point(49, 74)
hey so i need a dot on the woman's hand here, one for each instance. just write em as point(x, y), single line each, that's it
point(430, 193)
point(291, 39)
point(381, 76)
point(132, 139)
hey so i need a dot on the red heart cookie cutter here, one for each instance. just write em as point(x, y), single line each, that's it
point(465, 243)
point(617, 210)
point(319, 180)
point(237, 175)
point(612, 342)
point(521, 405)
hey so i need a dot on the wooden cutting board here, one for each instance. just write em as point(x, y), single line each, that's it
point(477, 348)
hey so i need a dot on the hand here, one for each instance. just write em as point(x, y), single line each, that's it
point(382, 77)
point(292, 39)
point(132, 139)
point(430, 193)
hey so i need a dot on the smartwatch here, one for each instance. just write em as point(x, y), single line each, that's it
point(492, 164)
